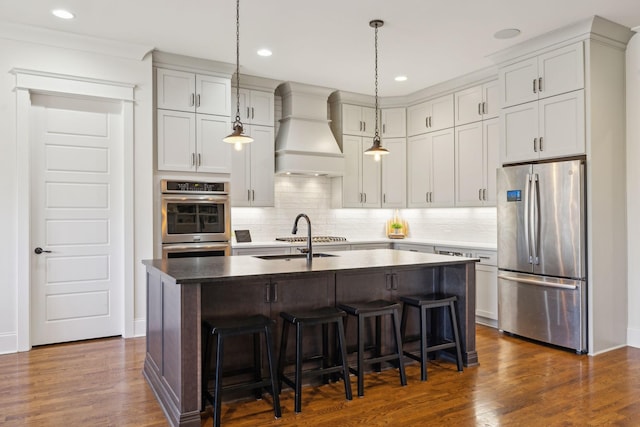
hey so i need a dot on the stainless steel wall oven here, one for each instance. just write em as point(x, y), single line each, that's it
point(196, 218)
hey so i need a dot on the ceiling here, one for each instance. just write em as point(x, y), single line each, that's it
point(328, 42)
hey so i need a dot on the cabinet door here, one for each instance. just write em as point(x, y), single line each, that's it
point(470, 170)
point(519, 130)
point(441, 113)
point(418, 171)
point(351, 180)
point(371, 180)
point(491, 138)
point(468, 105)
point(491, 99)
point(417, 119)
point(487, 291)
point(561, 70)
point(262, 165)
point(442, 167)
point(517, 82)
point(241, 176)
point(175, 90)
point(562, 125)
point(245, 110)
point(394, 123)
point(352, 123)
point(213, 95)
point(369, 120)
point(261, 108)
point(176, 141)
point(214, 155)
point(394, 175)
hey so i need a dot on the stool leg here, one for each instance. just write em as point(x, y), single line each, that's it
point(378, 347)
point(396, 329)
point(257, 363)
point(275, 391)
point(298, 374)
point(325, 351)
point(217, 398)
point(423, 342)
point(343, 356)
point(360, 355)
point(403, 322)
point(454, 325)
point(282, 358)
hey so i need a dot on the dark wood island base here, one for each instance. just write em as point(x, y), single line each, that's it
point(181, 292)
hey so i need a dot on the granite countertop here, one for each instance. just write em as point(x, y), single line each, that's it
point(415, 241)
point(196, 270)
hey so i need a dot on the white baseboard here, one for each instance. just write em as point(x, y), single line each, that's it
point(633, 337)
point(8, 343)
point(139, 327)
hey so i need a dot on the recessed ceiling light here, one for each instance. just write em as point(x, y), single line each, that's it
point(401, 78)
point(507, 33)
point(62, 14)
point(265, 52)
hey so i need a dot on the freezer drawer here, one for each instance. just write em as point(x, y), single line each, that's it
point(544, 309)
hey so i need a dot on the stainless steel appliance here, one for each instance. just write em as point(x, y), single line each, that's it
point(196, 218)
point(542, 276)
point(314, 239)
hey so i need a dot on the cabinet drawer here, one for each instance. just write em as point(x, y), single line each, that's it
point(487, 258)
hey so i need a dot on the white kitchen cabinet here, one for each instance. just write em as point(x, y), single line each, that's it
point(430, 170)
point(486, 288)
point(551, 73)
point(394, 173)
point(477, 158)
point(394, 123)
point(361, 179)
point(358, 120)
point(190, 92)
point(252, 169)
point(192, 142)
point(256, 107)
point(477, 103)
point(267, 250)
point(549, 128)
point(414, 247)
point(430, 116)
point(368, 246)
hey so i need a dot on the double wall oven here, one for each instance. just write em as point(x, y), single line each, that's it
point(196, 219)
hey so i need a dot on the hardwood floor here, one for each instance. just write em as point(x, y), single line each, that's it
point(100, 383)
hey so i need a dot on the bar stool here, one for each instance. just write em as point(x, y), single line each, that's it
point(226, 327)
point(321, 316)
point(376, 309)
point(423, 303)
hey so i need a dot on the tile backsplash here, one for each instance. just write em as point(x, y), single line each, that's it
point(312, 195)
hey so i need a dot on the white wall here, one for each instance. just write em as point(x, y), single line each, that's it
point(49, 56)
point(633, 187)
point(312, 195)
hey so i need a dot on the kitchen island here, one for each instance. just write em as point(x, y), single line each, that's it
point(181, 292)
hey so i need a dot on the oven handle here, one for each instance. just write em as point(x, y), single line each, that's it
point(192, 198)
point(195, 247)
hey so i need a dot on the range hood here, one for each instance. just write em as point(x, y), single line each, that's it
point(305, 144)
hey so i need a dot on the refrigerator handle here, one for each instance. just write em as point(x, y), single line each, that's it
point(535, 218)
point(527, 213)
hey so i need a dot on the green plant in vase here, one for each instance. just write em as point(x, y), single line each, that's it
point(396, 227)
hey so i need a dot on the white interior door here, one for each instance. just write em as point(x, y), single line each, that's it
point(77, 214)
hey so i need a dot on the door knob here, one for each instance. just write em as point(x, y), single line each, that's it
point(39, 250)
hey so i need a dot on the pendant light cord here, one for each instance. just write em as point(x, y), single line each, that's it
point(237, 61)
point(376, 137)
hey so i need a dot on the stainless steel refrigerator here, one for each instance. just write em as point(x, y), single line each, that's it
point(542, 280)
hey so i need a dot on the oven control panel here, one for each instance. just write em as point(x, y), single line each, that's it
point(194, 187)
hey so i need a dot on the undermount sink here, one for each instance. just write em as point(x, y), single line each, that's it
point(293, 256)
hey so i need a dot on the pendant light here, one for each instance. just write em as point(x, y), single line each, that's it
point(376, 149)
point(238, 137)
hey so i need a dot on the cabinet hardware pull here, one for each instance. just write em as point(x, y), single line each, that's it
point(535, 145)
point(484, 194)
point(484, 108)
point(198, 100)
point(540, 84)
point(394, 281)
point(267, 293)
point(199, 160)
point(430, 125)
point(479, 108)
point(253, 195)
point(426, 122)
point(365, 197)
point(275, 292)
point(384, 128)
point(534, 86)
point(484, 257)
point(193, 159)
point(193, 100)
point(384, 198)
point(247, 112)
point(540, 144)
point(426, 197)
point(364, 126)
point(252, 113)
point(480, 194)
point(249, 195)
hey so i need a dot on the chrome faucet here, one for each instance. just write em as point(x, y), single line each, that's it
point(309, 252)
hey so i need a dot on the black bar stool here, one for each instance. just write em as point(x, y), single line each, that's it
point(322, 316)
point(376, 309)
point(423, 303)
point(226, 327)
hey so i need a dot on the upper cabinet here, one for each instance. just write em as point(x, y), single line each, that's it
point(361, 179)
point(256, 107)
point(394, 173)
point(477, 103)
point(184, 91)
point(394, 123)
point(252, 178)
point(430, 116)
point(548, 74)
point(358, 120)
